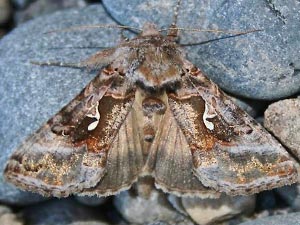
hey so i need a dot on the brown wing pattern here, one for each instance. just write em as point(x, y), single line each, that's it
point(124, 162)
point(69, 153)
point(231, 152)
point(172, 163)
point(169, 159)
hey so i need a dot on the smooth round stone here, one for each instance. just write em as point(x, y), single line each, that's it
point(60, 211)
point(140, 210)
point(252, 107)
point(290, 195)
point(5, 11)
point(43, 7)
point(266, 200)
point(184, 222)
point(7, 217)
point(89, 223)
point(262, 65)
point(9, 194)
point(31, 94)
point(19, 4)
point(91, 200)
point(211, 211)
point(289, 219)
point(283, 120)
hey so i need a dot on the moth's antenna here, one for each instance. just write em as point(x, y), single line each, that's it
point(105, 26)
point(195, 30)
point(173, 32)
point(215, 39)
point(60, 64)
point(79, 47)
point(175, 16)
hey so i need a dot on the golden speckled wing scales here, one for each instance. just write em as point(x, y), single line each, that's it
point(231, 152)
point(69, 153)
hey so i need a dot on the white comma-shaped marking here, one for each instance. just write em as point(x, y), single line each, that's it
point(96, 116)
point(209, 125)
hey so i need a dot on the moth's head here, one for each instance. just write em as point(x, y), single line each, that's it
point(149, 29)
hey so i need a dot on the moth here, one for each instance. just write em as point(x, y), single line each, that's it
point(149, 112)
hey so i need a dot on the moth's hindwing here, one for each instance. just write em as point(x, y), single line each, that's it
point(70, 152)
point(231, 152)
point(170, 160)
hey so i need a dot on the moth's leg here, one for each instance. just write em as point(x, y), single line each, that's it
point(95, 61)
point(122, 37)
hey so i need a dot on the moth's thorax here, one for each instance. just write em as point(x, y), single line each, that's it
point(153, 60)
point(159, 66)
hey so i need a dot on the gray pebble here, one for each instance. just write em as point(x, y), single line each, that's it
point(290, 195)
point(266, 200)
point(44, 7)
point(261, 65)
point(289, 219)
point(91, 200)
point(30, 94)
point(140, 210)
point(184, 222)
point(5, 11)
point(211, 211)
point(283, 120)
point(60, 212)
point(7, 217)
point(89, 223)
point(252, 107)
point(9, 194)
point(20, 4)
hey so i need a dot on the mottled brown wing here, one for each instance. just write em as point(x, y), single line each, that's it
point(231, 152)
point(69, 153)
point(170, 161)
point(124, 160)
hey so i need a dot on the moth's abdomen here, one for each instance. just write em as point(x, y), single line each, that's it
point(150, 110)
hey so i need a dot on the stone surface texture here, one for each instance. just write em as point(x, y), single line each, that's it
point(261, 65)
point(282, 118)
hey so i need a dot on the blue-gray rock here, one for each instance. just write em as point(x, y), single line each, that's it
point(60, 212)
point(290, 195)
point(5, 11)
point(20, 4)
point(140, 210)
point(91, 200)
point(13, 196)
point(289, 219)
point(252, 107)
point(212, 211)
point(7, 217)
point(283, 120)
point(42, 7)
point(30, 94)
point(261, 65)
point(89, 223)
point(267, 200)
point(184, 222)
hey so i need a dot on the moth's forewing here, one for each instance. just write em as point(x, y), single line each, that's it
point(125, 160)
point(69, 153)
point(231, 152)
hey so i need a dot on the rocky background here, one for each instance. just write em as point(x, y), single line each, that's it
point(261, 71)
